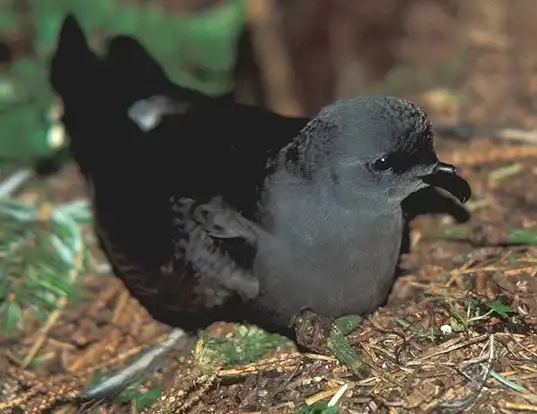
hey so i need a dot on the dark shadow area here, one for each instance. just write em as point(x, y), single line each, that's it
point(5, 55)
point(52, 164)
point(247, 72)
point(430, 200)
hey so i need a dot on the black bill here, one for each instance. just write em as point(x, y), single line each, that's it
point(445, 176)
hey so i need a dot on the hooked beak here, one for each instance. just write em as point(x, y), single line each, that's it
point(445, 176)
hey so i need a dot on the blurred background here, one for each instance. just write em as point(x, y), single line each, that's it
point(463, 60)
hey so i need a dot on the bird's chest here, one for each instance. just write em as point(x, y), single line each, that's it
point(341, 243)
point(334, 260)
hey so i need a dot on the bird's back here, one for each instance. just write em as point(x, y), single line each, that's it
point(123, 173)
point(214, 147)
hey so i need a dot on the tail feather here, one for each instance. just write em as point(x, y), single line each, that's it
point(137, 73)
point(73, 61)
point(140, 76)
point(100, 94)
point(76, 76)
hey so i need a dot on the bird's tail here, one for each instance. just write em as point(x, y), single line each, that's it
point(74, 67)
point(77, 76)
point(127, 67)
point(141, 76)
point(138, 73)
point(97, 92)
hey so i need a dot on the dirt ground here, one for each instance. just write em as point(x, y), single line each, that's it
point(459, 331)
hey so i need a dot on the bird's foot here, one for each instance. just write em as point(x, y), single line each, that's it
point(324, 336)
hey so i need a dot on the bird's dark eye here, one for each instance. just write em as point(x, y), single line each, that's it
point(382, 164)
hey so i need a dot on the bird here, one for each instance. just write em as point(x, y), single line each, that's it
point(210, 210)
point(132, 167)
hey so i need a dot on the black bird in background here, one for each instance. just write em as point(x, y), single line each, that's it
point(134, 163)
point(210, 210)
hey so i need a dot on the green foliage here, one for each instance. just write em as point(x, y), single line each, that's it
point(131, 392)
point(342, 349)
point(456, 325)
point(515, 236)
point(145, 399)
point(523, 236)
point(508, 383)
point(25, 102)
point(318, 408)
point(25, 98)
point(433, 333)
point(42, 253)
point(405, 325)
point(246, 344)
point(141, 399)
point(349, 323)
point(468, 312)
point(500, 309)
point(196, 50)
point(505, 172)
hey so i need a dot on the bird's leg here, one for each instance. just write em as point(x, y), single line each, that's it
point(324, 336)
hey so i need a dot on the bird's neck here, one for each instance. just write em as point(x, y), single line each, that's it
point(372, 206)
point(368, 203)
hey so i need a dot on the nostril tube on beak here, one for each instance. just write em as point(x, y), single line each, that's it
point(445, 168)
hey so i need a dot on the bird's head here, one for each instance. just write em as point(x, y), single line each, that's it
point(378, 148)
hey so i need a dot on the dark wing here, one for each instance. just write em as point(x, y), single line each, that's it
point(218, 245)
point(215, 148)
point(202, 147)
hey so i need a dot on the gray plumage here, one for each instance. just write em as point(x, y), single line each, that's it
point(209, 210)
point(329, 225)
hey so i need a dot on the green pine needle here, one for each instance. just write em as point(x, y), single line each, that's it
point(42, 253)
